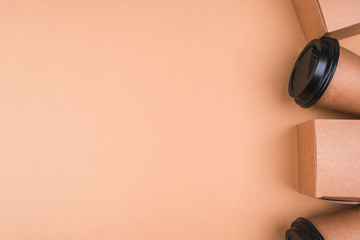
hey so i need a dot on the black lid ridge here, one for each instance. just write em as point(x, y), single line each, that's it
point(313, 71)
point(303, 229)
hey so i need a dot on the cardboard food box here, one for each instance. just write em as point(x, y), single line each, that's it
point(329, 159)
point(333, 18)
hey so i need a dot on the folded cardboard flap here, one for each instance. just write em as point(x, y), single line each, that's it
point(329, 159)
point(345, 32)
point(310, 17)
point(333, 18)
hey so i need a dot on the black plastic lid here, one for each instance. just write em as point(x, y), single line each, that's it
point(313, 71)
point(303, 229)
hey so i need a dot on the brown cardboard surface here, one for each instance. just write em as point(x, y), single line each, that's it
point(306, 146)
point(333, 18)
point(310, 17)
point(335, 161)
point(338, 159)
point(339, 14)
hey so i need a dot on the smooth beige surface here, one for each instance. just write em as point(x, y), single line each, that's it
point(150, 120)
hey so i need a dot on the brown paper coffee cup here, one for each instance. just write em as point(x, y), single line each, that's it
point(344, 225)
point(328, 76)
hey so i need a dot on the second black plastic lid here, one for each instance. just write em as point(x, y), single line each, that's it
point(303, 229)
point(313, 71)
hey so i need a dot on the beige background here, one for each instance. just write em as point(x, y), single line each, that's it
point(150, 119)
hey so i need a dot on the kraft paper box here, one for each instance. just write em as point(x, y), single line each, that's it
point(329, 159)
point(332, 18)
